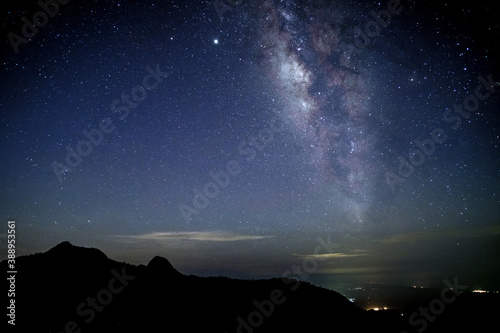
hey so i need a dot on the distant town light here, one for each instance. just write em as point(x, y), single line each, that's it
point(479, 291)
point(379, 309)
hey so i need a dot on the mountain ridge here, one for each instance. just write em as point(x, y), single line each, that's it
point(85, 291)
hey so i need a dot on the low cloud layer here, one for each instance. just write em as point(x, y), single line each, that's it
point(472, 232)
point(334, 255)
point(207, 236)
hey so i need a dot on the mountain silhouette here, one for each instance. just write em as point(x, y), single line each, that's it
point(163, 268)
point(74, 289)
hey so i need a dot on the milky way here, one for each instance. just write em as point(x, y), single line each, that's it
point(330, 121)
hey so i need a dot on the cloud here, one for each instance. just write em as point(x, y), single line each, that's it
point(334, 255)
point(207, 236)
point(471, 232)
point(351, 270)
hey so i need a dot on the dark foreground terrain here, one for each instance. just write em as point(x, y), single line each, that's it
point(74, 289)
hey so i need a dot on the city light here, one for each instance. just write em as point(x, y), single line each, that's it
point(479, 291)
point(379, 309)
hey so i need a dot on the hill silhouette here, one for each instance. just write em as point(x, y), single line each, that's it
point(75, 289)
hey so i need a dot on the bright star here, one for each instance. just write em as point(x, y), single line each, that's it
point(216, 41)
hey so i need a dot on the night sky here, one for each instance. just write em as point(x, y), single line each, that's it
point(357, 140)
